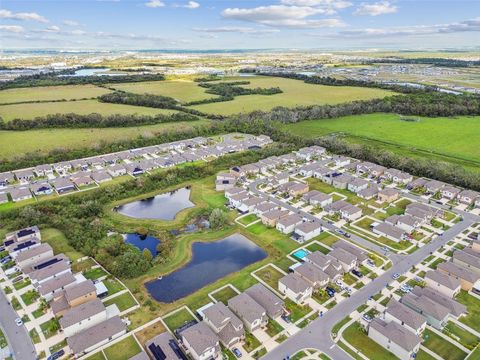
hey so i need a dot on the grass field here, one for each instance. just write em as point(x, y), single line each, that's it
point(446, 136)
point(359, 340)
point(49, 93)
point(442, 347)
point(295, 93)
point(57, 240)
point(123, 350)
point(181, 90)
point(82, 107)
point(18, 143)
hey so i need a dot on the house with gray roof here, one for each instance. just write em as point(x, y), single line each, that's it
point(273, 305)
point(164, 346)
point(313, 275)
point(306, 230)
point(83, 316)
point(347, 259)
point(467, 278)
point(288, 223)
point(253, 315)
point(391, 232)
point(224, 323)
point(403, 315)
point(201, 342)
point(395, 338)
point(49, 272)
point(295, 288)
point(456, 309)
point(435, 313)
point(443, 283)
point(20, 193)
point(467, 261)
point(100, 334)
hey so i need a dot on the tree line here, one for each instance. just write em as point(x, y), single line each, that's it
point(92, 120)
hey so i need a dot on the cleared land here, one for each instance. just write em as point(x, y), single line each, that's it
point(452, 137)
point(18, 143)
point(82, 107)
point(49, 93)
point(181, 90)
point(295, 93)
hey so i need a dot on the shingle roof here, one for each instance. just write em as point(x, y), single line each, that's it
point(405, 314)
point(79, 290)
point(443, 279)
point(267, 299)
point(81, 312)
point(245, 307)
point(200, 337)
point(396, 334)
point(295, 283)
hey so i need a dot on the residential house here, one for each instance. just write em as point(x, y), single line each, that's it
point(101, 176)
point(433, 186)
point(271, 218)
point(443, 283)
point(201, 342)
point(468, 197)
point(346, 259)
point(341, 161)
point(368, 193)
point(225, 181)
point(164, 346)
point(351, 212)
point(19, 194)
point(421, 211)
point(288, 223)
point(82, 317)
point(63, 185)
point(73, 295)
point(357, 185)
point(342, 181)
point(273, 305)
point(450, 192)
point(391, 232)
point(54, 288)
point(237, 199)
point(3, 198)
point(359, 253)
point(49, 272)
point(467, 278)
point(116, 170)
point(417, 184)
point(436, 314)
point(395, 338)
point(251, 203)
point(43, 170)
point(264, 207)
point(403, 315)
point(398, 176)
point(42, 188)
point(294, 188)
point(328, 264)
point(224, 323)
point(6, 178)
point(388, 195)
point(100, 334)
point(253, 315)
point(308, 169)
point(312, 275)
point(468, 261)
point(24, 176)
point(295, 288)
point(33, 255)
point(407, 223)
point(454, 307)
point(306, 231)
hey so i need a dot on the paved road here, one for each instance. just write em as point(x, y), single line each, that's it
point(317, 334)
point(17, 336)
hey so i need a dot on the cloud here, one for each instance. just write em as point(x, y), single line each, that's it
point(192, 5)
point(327, 4)
point(282, 16)
point(12, 28)
point(236, 29)
point(7, 14)
point(379, 8)
point(472, 25)
point(155, 4)
point(51, 29)
point(71, 23)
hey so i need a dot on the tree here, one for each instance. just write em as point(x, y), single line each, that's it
point(147, 254)
point(217, 218)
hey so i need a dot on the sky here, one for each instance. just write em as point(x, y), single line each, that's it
point(239, 24)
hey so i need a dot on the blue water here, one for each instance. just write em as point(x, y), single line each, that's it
point(300, 254)
point(160, 207)
point(143, 242)
point(210, 262)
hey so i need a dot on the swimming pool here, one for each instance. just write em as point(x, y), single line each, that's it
point(300, 254)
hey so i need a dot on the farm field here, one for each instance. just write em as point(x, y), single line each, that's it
point(82, 107)
point(18, 143)
point(295, 93)
point(50, 93)
point(181, 90)
point(444, 136)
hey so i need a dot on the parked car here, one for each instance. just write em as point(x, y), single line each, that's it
point(237, 352)
point(19, 322)
point(328, 288)
point(286, 319)
point(395, 276)
point(338, 282)
point(371, 263)
point(357, 273)
point(367, 318)
point(57, 355)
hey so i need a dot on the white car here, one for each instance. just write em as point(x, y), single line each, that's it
point(19, 322)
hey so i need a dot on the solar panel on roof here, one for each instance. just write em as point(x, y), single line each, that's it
point(47, 263)
point(25, 232)
point(24, 245)
point(8, 242)
point(157, 352)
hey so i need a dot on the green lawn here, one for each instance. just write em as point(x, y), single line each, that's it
point(442, 347)
point(225, 294)
point(182, 90)
point(30, 297)
point(113, 286)
point(270, 275)
point(296, 311)
point(3, 340)
point(273, 327)
point(422, 355)
point(34, 336)
point(473, 310)
point(357, 337)
point(83, 107)
point(178, 319)
point(18, 143)
point(317, 247)
point(97, 356)
point(336, 328)
point(94, 274)
point(446, 135)
point(50, 328)
point(295, 93)
point(124, 301)
point(247, 219)
point(251, 342)
point(57, 240)
point(464, 337)
point(50, 93)
point(123, 350)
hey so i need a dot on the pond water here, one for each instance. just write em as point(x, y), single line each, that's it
point(210, 262)
point(161, 207)
point(143, 242)
point(92, 72)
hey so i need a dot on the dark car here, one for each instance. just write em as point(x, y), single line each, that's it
point(328, 288)
point(237, 352)
point(357, 273)
point(56, 355)
point(286, 319)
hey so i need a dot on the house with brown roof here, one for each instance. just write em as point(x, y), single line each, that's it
point(388, 195)
point(270, 218)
